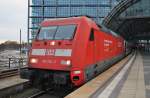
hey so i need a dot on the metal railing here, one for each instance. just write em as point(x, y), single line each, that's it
point(11, 63)
point(18, 62)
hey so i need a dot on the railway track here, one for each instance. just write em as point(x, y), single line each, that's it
point(38, 94)
point(50, 93)
point(8, 73)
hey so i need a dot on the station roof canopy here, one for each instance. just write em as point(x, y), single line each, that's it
point(130, 19)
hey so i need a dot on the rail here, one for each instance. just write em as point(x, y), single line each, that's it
point(37, 94)
point(8, 73)
point(40, 93)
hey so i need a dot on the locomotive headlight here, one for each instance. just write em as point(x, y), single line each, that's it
point(66, 62)
point(77, 72)
point(33, 60)
point(52, 43)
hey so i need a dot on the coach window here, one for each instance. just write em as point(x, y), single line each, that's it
point(91, 38)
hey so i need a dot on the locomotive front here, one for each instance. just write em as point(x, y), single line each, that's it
point(52, 54)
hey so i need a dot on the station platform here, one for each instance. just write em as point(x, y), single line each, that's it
point(11, 81)
point(131, 81)
point(134, 85)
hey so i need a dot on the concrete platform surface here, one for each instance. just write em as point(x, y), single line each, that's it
point(112, 89)
point(134, 85)
point(11, 81)
point(146, 63)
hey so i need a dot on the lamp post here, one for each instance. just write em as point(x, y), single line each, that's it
point(20, 43)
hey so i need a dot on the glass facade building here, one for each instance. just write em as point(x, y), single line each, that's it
point(44, 9)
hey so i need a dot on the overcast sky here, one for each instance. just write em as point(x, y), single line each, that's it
point(13, 16)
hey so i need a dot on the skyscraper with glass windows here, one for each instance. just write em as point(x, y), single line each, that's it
point(39, 10)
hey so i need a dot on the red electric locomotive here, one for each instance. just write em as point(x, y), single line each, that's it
point(71, 51)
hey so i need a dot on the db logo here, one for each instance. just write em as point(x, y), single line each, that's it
point(50, 51)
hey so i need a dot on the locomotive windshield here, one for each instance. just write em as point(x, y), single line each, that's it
point(57, 32)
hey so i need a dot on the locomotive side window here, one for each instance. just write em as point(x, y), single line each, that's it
point(91, 38)
point(57, 32)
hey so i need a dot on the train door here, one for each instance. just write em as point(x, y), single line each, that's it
point(97, 52)
point(90, 50)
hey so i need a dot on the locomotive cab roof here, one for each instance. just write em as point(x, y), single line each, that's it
point(69, 20)
point(77, 20)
